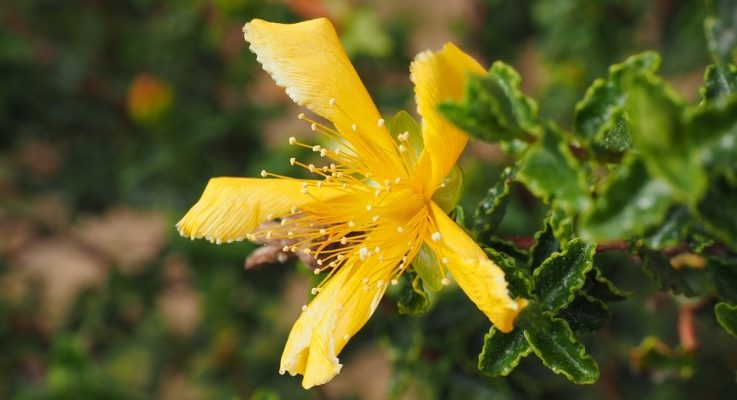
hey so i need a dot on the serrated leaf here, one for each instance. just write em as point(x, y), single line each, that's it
point(671, 231)
point(494, 108)
point(490, 210)
point(724, 274)
point(718, 211)
point(721, 30)
point(586, 314)
point(502, 352)
point(562, 224)
point(553, 342)
point(519, 282)
point(630, 203)
point(598, 286)
point(599, 120)
point(560, 276)
point(550, 171)
point(686, 281)
point(427, 267)
point(661, 139)
point(545, 245)
point(719, 80)
point(413, 300)
point(727, 317)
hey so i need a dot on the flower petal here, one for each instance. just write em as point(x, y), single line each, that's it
point(481, 279)
point(308, 60)
point(342, 307)
point(231, 208)
point(440, 76)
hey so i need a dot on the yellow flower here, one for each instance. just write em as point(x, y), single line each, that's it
point(370, 210)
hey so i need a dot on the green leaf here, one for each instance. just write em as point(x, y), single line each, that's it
point(586, 314)
point(449, 192)
point(520, 284)
point(545, 245)
point(727, 317)
point(563, 274)
point(502, 352)
point(686, 281)
point(714, 127)
point(718, 211)
point(508, 248)
point(656, 357)
point(721, 30)
point(550, 171)
point(413, 300)
point(562, 224)
point(599, 119)
point(494, 108)
point(661, 139)
point(671, 231)
point(598, 286)
point(490, 210)
point(719, 80)
point(427, 267)
point(724, 274)
point(630, 203)
point(553, 342)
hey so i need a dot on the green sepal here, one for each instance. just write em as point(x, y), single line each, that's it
point(660, 137)
point(490, 210)
point(427, 267)
point(687, 281)
point(402, 122)
point(494, 108)
point(519, 282)
point(413, 300)
point(502, 352)
point(631, 202)
point(727, 317)
point(719, 80)
point(550, 171)
point(599, 121)
point(600, 287)
point(671, 231)
point(718, 211)
point(560, 276)
point(586, 313)
point(449, 193)
point(553, 342)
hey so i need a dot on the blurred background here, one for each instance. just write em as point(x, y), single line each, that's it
point(113, 115)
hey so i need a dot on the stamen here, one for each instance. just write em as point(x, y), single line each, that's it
point(436, 237)
point(400, 229)
point(292, 161)
point(292, 139)
point(380, 123)
point(332, 102)
point(264, 173)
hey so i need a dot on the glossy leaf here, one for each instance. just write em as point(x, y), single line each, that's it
point(598, 286)
point(553, 342)
point(714, 127)
point(718, 211)
point(687, 281)
point(631, 202)
point(545, 245)
point(671, 231)
point(413, 300)
point(661, 139)
point(551, 172)
point(727, 317)
point(724, 274)
point(502, 352)
point(719, 80)
point(563, 274)
point(586, 314)
point(721, 31)
point(490, 210)
point(494, 108)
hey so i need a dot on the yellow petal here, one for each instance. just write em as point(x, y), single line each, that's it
point(481, 279)
point(440, 76)
point(308, 60)
point(342, 307)
point(231, 208)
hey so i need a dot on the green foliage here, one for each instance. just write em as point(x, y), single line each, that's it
point(502, 352)
point(413, 299)
point(561, 275)
point(727, 317)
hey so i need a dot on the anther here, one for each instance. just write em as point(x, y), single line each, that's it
point(380, 123)
point(400, 229)
point(369, 207)
point(311, 167)
point(316, 148)
point(351, 224)
point(436, 237)
point(343, 241)
point(292, 161)
point(290, 233)
point(379, 283)
point(306, 251)
point(363, 253)
point(316, 271)
point(397, 180)
point(402, 149)
point(301, 116)
point(445, 281)
point(444, 260)
point(375, 218)
point(332, 102)
point(395, 282)
point(263, 173)
point(323, 152)
point(354, 127)
point(292, 139)
point(323, 231)
point(304, 307)
point(377, 249)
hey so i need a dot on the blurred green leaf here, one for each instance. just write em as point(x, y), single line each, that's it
point(413, 300)
point(671, 231)
point(502, 352)
point(553, 342)
point(490, 210)
point(721, 30)
point(552, 173)
point(727, 317)
point(631, 202)
point(724, 273)
point(599, 287)
point(494, 108)
point(718, 211)
point(364, 34)
point(687, 281)
point(652, 355)
point(586, 314)
point(561, 275)
point(719, 81)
